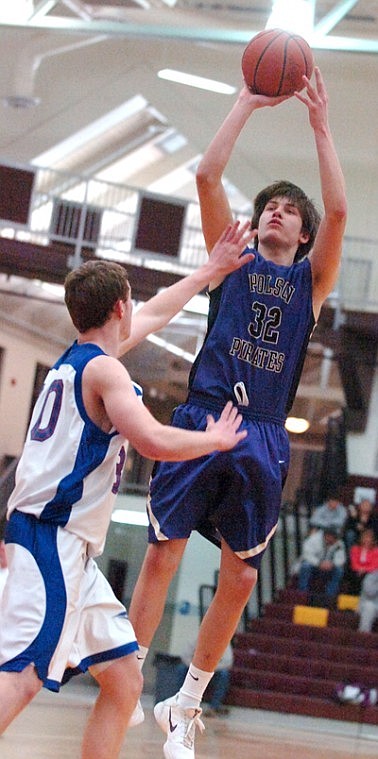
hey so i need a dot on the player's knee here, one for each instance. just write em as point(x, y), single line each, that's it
point(135, 687)
point(164, 558)
point(246, 580)
point(29, 683)
point(121, 683)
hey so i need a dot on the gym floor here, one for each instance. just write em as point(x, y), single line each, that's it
point(51, 727)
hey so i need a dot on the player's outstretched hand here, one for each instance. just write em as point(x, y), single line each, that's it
point(227, 427)
point(316, 100)
point(226, 254)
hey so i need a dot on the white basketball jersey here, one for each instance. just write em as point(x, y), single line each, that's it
point(70, 470)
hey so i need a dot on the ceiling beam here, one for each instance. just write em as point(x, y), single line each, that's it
point(183, 33)
point(49, 263)
point(42, 8)
point(334, 16)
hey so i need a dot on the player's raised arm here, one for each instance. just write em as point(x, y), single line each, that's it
point(326, 254)
point(225, 257)
point(215, 207)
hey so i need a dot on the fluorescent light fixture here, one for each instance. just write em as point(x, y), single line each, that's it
point(296, 424)
point(93, 131)
point(171, 348)
point(196, 81)
point(199, 304)
point(16, 11)
point(294, 16)
point(127, 516)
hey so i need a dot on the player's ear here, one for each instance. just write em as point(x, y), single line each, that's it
point(118, 308)
point(304, 236)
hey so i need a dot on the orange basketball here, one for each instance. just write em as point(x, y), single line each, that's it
point(274, 62)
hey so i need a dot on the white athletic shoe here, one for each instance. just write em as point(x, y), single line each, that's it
point(180, 725)
point(137, 716)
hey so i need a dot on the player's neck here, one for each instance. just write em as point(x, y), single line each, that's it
point(106, 339)
point(279, 255)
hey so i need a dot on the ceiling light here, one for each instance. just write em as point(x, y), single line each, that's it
point(199, 304)
point(196, 81)
point(296, 424)
point(293, 16)
point(127, 516)
point(16, 11)
point(171, 348)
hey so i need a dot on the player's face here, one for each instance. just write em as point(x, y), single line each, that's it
point(281, 224)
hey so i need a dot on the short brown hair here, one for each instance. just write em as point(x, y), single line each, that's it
point(306, 207)
point(92, 290)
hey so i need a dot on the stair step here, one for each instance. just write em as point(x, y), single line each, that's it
point(283, 683)
point(299, 704)
point(285, 611)
point(305, 648)
point(295, 668)
point(312, 668)
point(337, 635)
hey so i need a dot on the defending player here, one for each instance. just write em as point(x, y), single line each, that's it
point(59, 615)
point(260, 321)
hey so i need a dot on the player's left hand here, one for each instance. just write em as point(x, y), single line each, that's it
point(316, 100)
point(228, 426)
point(227, 251)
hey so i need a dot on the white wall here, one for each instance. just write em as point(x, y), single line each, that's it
point(19, 359)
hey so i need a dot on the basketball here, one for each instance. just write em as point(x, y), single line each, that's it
point(274, 62)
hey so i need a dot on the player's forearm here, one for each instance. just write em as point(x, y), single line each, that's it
point(174, 444)
point(163, 306)
point(218, 153)
point(331, 175)
point(160, 309)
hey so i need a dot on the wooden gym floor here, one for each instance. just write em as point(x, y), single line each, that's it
point(51, 728)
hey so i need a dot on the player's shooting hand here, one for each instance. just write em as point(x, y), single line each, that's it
point(259, 101)
point(227, 427)
point(226, 254)
point(316, 100)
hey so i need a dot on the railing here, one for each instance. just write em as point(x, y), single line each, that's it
point(104, 217)
point(276, 568)
point(282, 552)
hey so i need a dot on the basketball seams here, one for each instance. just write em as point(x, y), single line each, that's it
point(261, 56)
point(284, 64)
point(274, 62)
point(305, 51)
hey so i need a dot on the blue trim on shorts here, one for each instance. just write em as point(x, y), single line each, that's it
point(89, 661)
point(40, 539)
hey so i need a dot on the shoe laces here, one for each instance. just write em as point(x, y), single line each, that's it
point(192, 723)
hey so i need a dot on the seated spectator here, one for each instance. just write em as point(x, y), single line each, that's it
point(363, 559)
point(323, 554)
point(361, 517)
point(332, 513)
point(368, 603)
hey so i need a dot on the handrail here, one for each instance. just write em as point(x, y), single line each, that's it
point(88, 214)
